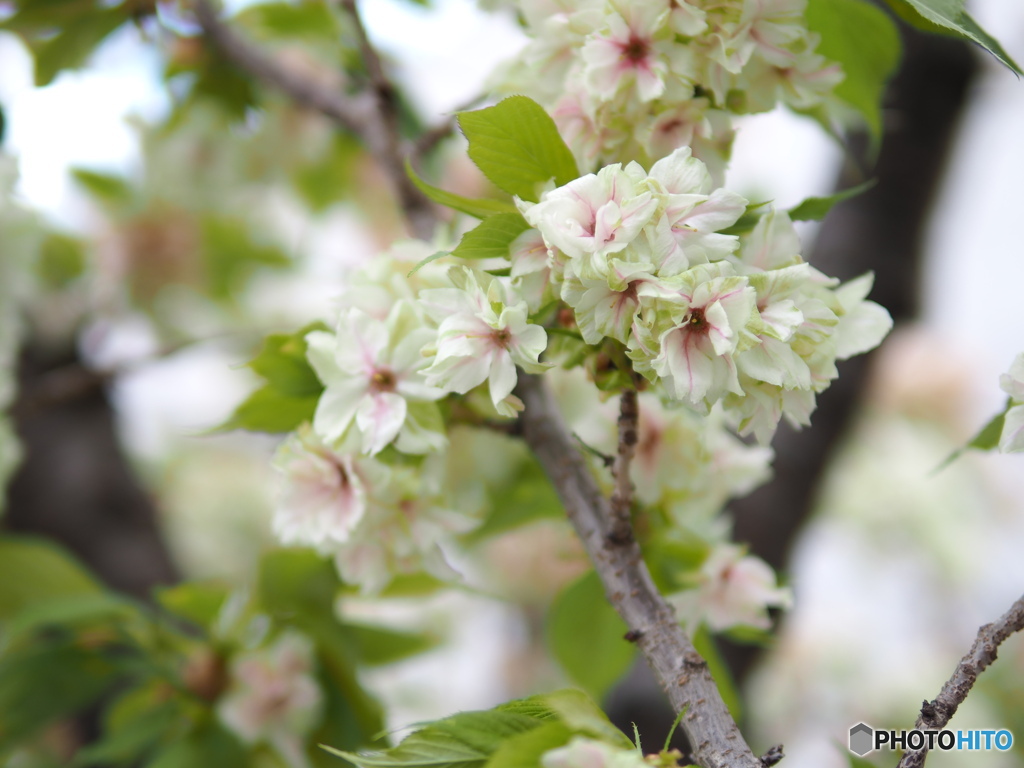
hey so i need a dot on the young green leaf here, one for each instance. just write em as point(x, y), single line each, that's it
point(579, 712)
point(108, 189)
point(269, 410)
point(48, 680)
point(526, 749)
point(465, 740)
point(33, 571)
point(815, 208)
point(197, 601)
point(987, 438)
point(491, 238)
point(517, 146)
point(72, 46)
point(585, 634)
point(292, 389)
point(864, 40)
point(949, 15)
point(478, 208)
point(376, 646)
point(749, 219)
point(208, 744)
point(422, 263)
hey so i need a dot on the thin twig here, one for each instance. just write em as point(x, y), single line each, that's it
point(937, 713)
point(621, 525)
point(682, 673)
point(371, 115)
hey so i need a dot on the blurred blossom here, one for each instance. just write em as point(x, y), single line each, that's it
point(273, 697)
point(736, 589)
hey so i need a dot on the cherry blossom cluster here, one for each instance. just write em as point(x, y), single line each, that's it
point(1011, 439)
point(707, 317)
point(369, 482)
point(634, 80)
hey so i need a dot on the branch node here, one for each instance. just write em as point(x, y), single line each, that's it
point(772, 756)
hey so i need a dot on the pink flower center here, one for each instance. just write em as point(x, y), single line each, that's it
point(501, 337)
point(635, 50)
point(696, 322)
point(383, 380)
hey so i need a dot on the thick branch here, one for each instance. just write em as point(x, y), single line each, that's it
point(370, 116)
point(622, 528)
point(682, 673)
point(937, 713)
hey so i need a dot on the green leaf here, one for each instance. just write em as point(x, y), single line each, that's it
point(197, 601)
point(311, 21)
point(133, 737)
point(864, 40)
point(491, 238)
point(579, 712)
point(748, 220)
point(478, 208)
point(292, 391)
point(72, 46)
point(61, 260)
point(424, 262)
point(108, 189)
point(35, 570)
point(71, 610)
point(282, 362)
point(987, 438)
point(47, 680)
point(268, 410)
point(815, 208)
point(950, 15)
point(376, 646)
point(517, 146)
point(295, 581)
point(526, 749)
point(585, 634)
point(465, 740)
point(705, 645)
point(210, 744)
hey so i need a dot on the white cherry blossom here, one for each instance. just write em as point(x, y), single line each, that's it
point(273, 697)
point(483, 334)
point(735, 589)
point(372, 371)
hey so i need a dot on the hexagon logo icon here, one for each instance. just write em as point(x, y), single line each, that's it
point(861, 739)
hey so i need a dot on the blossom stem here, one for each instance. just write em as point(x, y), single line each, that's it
point(621, 531)
point(684, 676)
point(935, 714)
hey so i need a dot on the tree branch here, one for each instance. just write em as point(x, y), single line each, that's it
point(682, 673)
point(372, 115)
point(937, 713)
point(622, 526)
